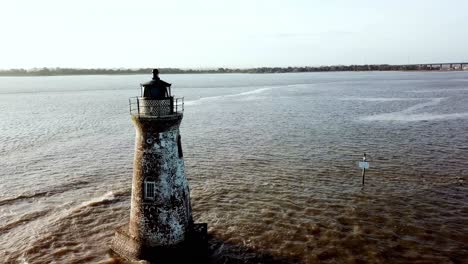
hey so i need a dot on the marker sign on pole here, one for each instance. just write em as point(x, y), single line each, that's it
point(364, 165)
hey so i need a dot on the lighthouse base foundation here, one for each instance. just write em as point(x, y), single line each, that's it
point(193, 250)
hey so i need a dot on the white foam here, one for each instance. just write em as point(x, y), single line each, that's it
point(439, 90)
point(203, 99)
point(257, 91)
point(213, 98)
point(432, 102)
point(408, 115)
point(414, 117)
point(379, 99)
point(22, 259)
point(109, 196)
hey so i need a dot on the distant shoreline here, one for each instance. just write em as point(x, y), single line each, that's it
point(123, 71)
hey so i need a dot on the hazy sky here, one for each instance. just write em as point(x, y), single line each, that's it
point(230, 33)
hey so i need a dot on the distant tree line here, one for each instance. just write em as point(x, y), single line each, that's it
point(123, 71)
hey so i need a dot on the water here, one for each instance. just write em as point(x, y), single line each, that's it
point(271, 161)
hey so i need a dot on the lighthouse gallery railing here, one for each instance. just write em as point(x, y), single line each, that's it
point(151, 107)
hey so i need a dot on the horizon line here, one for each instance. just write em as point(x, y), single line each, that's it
point(227, 67)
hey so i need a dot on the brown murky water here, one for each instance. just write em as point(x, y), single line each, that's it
point(271, 160)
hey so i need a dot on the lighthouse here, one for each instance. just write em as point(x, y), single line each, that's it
point(161, 226)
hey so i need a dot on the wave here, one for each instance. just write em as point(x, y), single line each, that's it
point(108, 197)
point(257, 91)
point(432, 102)
point(407, 115)
point(251, 92)
point(23, 220)
point(100, 200)
point(379, 99)
point(45, 193)
point(103, 199)
point(439, 90)
point(198, 101)
point(23, 197)
point(51, 240)
point(414, 117)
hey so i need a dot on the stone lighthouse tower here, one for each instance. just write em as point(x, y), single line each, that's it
point(161, 227)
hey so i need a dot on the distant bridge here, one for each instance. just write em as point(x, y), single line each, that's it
point(450, 66)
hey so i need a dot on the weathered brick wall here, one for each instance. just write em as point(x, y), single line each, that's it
point(124, 245)
point(166, 219)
